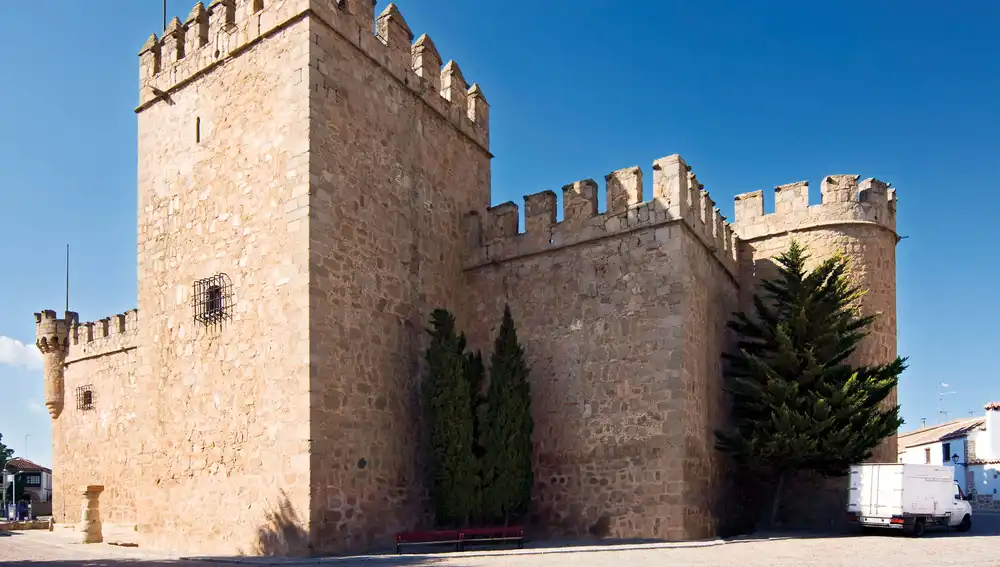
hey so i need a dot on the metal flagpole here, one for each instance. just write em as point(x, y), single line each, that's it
point(164, 15)
point(67, 278)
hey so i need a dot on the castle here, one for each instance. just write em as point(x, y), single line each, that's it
point(308, 191)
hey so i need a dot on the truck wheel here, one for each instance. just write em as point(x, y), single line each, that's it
point(918, 528)
point(965, 525)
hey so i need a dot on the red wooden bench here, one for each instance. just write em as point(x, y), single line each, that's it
point(494, 534)
point(461, 537)
point(431, 537)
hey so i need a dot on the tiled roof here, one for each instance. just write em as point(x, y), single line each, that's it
point(23, 464)
point(992, 406)
point(984, 462)
point(942, 432)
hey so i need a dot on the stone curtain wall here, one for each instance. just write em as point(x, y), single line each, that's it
point(711, 300)
point(224, 187)
point(99, 445)
point(393, 166)
point(619, 317)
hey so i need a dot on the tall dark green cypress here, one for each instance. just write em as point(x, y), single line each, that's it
point(507, 463)
point(448, 407)
point(797, 403)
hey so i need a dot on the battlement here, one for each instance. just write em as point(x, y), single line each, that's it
point(677, 197)
point(51, 332)
point(844, 200)
point(210, 36)
point(110, 334)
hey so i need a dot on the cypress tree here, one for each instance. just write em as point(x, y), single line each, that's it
point(797, 403)
point(506, 464)
point(448, 406)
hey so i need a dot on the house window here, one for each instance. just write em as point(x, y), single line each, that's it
point(213, 300)
point(927, 455)
point(946, 453)
point(85, 398)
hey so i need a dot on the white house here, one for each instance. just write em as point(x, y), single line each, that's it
point(971, 445)
point(33, 480)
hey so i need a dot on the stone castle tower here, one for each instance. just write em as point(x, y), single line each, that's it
point(312, 183)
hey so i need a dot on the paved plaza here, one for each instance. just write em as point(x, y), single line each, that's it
point(980, 547)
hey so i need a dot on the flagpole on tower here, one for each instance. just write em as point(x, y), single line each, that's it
point(164, 15)
point(67, 278)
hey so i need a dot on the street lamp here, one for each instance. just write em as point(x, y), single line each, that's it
point(3, 481)
point(954, 459)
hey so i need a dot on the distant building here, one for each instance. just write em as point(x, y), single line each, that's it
point(971, 445)
point(33, 479)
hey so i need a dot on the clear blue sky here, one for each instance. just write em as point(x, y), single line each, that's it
point(752, 94)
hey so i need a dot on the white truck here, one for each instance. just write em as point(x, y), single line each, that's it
point(907, 497)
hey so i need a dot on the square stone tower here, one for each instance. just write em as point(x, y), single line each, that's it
point(303, 170)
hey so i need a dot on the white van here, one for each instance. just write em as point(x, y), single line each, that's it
point(907, 497)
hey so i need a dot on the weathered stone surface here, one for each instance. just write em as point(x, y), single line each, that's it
point(341, 182)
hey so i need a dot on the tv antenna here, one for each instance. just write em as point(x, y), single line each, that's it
point(941, 395)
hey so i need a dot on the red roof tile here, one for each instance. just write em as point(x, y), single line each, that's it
point(22, 464)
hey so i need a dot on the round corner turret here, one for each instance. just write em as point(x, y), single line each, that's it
point(52, 339)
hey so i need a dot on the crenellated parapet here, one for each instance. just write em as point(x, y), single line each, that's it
point(677, 197)
point(105, 336)
point(845, 199)
point(225, 28)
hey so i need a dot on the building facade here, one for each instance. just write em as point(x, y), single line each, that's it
point(33, 480)
point(971, 446)
point(311, 184)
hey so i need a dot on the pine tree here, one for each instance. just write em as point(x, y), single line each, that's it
point(448, 406)
point(507, 467)
point(797, 403)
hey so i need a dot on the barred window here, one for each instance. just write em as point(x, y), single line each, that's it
point(85, 398)
point(213, 300)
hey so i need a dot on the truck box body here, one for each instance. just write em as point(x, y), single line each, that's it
point(892, 495)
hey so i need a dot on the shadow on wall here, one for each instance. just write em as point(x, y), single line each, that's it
point(283, 533)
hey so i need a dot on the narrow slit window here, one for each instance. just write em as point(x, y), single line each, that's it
point(197, 130)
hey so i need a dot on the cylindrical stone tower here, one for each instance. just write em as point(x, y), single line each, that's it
point(52, 339)
point(858, 220)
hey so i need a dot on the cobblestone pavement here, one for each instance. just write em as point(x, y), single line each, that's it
point(980, 547)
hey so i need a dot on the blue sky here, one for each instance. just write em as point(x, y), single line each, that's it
point(752, 94)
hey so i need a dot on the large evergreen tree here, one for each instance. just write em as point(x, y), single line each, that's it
point(506, 464)
point(448, 406)
point(797, 402)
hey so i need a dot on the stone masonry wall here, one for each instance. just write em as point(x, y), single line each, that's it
point(97, 445)
point(617, 315)
point(223, 181)
point(394, 166)
point(711, 299)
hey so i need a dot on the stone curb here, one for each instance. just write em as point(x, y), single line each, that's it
point(453, 555)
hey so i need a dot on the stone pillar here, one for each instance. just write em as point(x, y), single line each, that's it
point(90, 520)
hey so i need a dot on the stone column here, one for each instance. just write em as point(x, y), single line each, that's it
point(90, 520)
